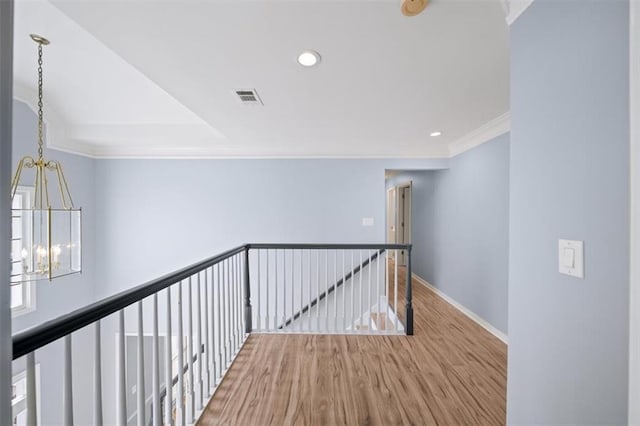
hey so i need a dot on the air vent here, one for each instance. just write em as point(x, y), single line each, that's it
point(249, 97)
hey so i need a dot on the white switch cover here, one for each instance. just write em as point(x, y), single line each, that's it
point(367, 221)
point(571, 258)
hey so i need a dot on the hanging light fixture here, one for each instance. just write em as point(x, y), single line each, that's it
point(413, 7)
point(46, 228)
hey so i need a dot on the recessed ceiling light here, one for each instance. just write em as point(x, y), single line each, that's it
point(309, 58)
point(435, 134)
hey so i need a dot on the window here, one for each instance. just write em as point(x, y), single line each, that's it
point(19, 397)
point(22, 293)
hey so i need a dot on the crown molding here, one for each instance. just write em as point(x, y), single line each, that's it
point(140, 153)
point(494, 128)
point(516, 7)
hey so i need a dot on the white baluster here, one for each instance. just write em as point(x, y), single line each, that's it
point(227, 314)
point(211, 347)
point(236, 321)
point(326, 290)
point(206, 381)
point(293, 285)
point(275, 313)
point(268, 302)
point(32, 411)
point(369, 306)
point(232, 304)
point(259, 310)
point(360, 274)
point(155, 377)
point(353, 284)
point(190, 396)
point(219, 323)
point(168, 376)
point(140, 386)
point(67, 392)
point(384, 320)
point(386, 282)
point(180, 406)
point(199, 389)
point(301, 285)
point(121, 369)
point(239, 301)
point(335, 290)
point(317, 327)
point(344, 291)
point(309, 291)
point(395, 288)
point(284, 288)
point(97, 377)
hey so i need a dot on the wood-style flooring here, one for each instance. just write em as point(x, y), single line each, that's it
point(451, 372)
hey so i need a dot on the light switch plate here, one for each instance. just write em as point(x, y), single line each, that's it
point(571, 258)
point(367, 221)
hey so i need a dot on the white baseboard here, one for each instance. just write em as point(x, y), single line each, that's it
point(484, 324)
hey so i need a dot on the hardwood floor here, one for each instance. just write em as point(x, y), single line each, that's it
point(451, 372)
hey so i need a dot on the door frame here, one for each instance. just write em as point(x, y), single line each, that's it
point(407, 227)
point(396, 217)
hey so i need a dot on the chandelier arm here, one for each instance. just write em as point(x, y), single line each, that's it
point(65, 197)
point(46, 186)
point(37, 196)
point(64, 187)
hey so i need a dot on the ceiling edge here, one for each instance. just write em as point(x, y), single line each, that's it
point(482, 134)
point(516, 7)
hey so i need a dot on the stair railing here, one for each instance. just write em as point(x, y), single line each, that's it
point(198, 318)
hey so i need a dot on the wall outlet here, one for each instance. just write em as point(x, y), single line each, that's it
point(367, 221)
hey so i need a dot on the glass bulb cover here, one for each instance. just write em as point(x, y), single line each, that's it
point(46, 244)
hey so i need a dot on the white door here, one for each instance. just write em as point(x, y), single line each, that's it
point(391, 215)
point(403, 220)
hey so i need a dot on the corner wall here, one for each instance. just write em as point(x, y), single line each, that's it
point(568, 338)
point(460, 219)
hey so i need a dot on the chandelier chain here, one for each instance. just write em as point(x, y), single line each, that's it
point(40, 114)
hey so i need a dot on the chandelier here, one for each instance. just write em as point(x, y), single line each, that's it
point(46, 227)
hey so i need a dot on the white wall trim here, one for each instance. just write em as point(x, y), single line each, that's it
point(516, 7)
point(480, 321)
point(634, 230)
point(496, 127)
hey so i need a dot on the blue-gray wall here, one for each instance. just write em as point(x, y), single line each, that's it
point(568, 342)
point(156, 216)
point(460, 219)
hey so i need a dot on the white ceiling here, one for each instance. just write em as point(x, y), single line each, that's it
point(156, 78)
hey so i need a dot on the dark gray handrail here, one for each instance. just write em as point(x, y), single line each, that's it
point(36, 337)
point(330, 246)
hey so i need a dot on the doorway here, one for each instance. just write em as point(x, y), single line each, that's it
point(399, 217)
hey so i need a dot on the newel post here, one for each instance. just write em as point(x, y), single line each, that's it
point(408, 309)
point(247, 294)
